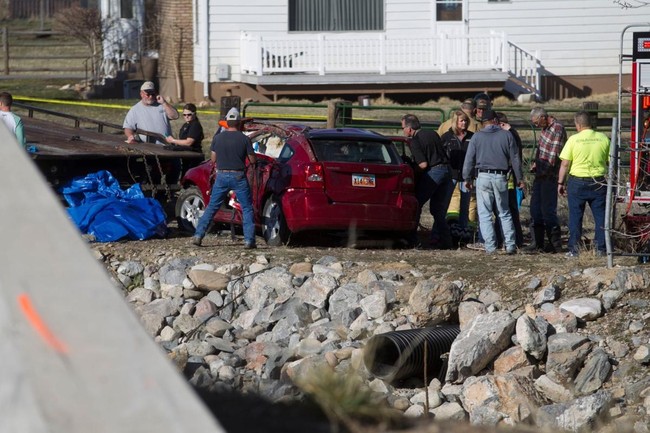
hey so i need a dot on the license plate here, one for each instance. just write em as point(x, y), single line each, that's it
point(363, 180)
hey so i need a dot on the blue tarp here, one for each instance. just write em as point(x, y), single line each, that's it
point(99, 207)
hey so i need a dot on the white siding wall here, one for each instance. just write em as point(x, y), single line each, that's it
point(228, 19)
point(573, 37)
point(408, 16)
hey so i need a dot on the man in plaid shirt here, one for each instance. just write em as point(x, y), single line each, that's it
point(543, 200)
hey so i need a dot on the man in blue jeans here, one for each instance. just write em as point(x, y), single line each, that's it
point(434, 182)
point(230, 148)
point(492, 151)
point(584, 158)
point(543, 198)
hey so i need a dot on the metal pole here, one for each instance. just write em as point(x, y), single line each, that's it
point(5, 49)
point(610, 192)
point(42, 14)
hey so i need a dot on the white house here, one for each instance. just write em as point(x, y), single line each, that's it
point(123, 22)
point(271, 48)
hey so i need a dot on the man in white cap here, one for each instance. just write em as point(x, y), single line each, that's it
point(151, 114)
point(229, 151)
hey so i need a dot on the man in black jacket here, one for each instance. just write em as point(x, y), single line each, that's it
point(433, 179)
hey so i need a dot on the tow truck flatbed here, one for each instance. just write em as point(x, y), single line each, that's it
point(63, 152)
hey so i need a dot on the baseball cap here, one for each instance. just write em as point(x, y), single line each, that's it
point(469, 101)
point(147, 85)
point(482, 103)
point(488, 115)
point(482, 95)
point(233, 114)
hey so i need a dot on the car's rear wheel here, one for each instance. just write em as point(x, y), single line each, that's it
point(189, 209)
point(274, 228)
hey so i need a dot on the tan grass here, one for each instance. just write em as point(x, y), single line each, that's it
point(346, 400)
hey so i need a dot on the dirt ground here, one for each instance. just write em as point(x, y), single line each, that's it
point(500, 272)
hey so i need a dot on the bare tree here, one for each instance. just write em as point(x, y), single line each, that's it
point(85, 25)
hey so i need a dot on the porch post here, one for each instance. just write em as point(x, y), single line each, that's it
point(382, 54)
point(321, 54)
point(505, 61)
point(259, 60)
point(442, 52)
point(538, 77)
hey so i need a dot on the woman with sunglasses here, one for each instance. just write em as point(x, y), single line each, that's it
point(191, 133)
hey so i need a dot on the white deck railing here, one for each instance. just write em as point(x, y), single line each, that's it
point(340, 53)
point(525, 66)
point(353, 53)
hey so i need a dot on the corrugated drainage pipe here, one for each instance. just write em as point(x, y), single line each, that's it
point(400, 354)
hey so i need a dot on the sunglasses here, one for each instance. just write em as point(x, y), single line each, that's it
point(188, 114)
point(150, 92)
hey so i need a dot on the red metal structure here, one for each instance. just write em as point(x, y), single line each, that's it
point(636, 194)
point(639, 190)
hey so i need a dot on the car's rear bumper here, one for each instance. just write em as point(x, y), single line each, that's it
point(312, 210)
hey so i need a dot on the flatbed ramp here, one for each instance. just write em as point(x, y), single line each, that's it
point(74, 357)
point(55, 139)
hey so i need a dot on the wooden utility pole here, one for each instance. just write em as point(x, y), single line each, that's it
point(5, 49)
point(42, 15)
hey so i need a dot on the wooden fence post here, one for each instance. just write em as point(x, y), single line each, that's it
point(331, 113)
point(5, 49)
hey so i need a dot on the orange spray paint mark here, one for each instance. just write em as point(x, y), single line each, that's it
point(38, 324)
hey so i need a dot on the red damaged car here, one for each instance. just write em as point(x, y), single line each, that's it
point(313, 179)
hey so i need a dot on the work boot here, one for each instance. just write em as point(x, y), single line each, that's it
point(555, 239)
point(537, 241)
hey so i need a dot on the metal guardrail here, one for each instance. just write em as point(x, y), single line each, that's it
point(288, 116)
point(345, 114)
point(346, 118)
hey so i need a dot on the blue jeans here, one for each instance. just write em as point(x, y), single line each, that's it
point(491, 192)
point(516, 221)
point(580, 192)
point(436, 186)
point(225, 182)
point(543, 202)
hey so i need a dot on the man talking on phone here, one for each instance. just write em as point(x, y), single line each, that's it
point(152, 114)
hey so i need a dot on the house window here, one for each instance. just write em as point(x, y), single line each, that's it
point(335, 15)
point(126, 9)
point(449, 10)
